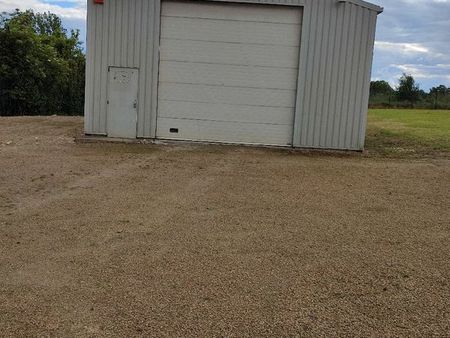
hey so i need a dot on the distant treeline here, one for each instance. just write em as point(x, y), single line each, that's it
point(408, 95)
point(42, 66)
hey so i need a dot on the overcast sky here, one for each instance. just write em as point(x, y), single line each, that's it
point(413, 36)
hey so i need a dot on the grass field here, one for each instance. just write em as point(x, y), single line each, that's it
point(409, 132)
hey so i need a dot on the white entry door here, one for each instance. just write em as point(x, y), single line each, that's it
point(228, 72)
point(122, 102)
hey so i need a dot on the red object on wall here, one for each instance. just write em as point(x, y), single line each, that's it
point(99, 2)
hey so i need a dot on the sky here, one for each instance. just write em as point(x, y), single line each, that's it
point(413, 36)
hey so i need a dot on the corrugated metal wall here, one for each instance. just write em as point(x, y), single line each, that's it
point(334, 73)
point(334, 77)
point(122, 33)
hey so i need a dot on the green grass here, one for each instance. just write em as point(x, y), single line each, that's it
point(409, 132)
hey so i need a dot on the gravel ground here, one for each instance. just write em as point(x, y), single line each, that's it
point(193, 240)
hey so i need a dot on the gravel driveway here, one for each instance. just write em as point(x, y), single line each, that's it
point(192, 240)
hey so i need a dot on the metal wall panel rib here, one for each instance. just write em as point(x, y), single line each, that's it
point(334, 68)
point(88, 109)
point(155, 69)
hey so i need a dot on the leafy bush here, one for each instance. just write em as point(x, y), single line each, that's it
point(42, 66)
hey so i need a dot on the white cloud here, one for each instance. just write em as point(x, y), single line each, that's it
point(419, 71)
point(402, 47)
point(69, 9)
point(412, 37)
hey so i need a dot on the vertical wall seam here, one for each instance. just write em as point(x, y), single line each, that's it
point(320, 94)
point(155, 68)
point(347, 78)
point(150, 70)
point(142, 69)
point(302, 69)
point(351, 77)
point(341, 77)
point(359, 74)
point(329, 76)
point(309, 75)
point(97, 71)
point(122, 40)
point(316, 111)
point(101, 65)
point(147, 71)
point(305, 101)
point(294, 115)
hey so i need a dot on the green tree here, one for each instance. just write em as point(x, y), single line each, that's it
point(439, 93)
point(440, 90)
point(408, 89)
point(380, 88)
point(42, 66)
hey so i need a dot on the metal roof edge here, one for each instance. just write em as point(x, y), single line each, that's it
point(365, 4)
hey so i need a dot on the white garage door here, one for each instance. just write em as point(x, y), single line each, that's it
point(228, 72)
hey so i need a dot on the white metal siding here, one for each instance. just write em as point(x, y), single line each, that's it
point(333, 78)
point(231, 87)
point(121, 33)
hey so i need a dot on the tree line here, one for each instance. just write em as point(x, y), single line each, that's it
point(42, 66)
point(408, 94)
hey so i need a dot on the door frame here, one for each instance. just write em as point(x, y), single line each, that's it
point(108, 91)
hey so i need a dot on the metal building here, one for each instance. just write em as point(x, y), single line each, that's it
point(270, 72)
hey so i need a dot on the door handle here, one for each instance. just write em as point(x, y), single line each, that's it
point(135, 105)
